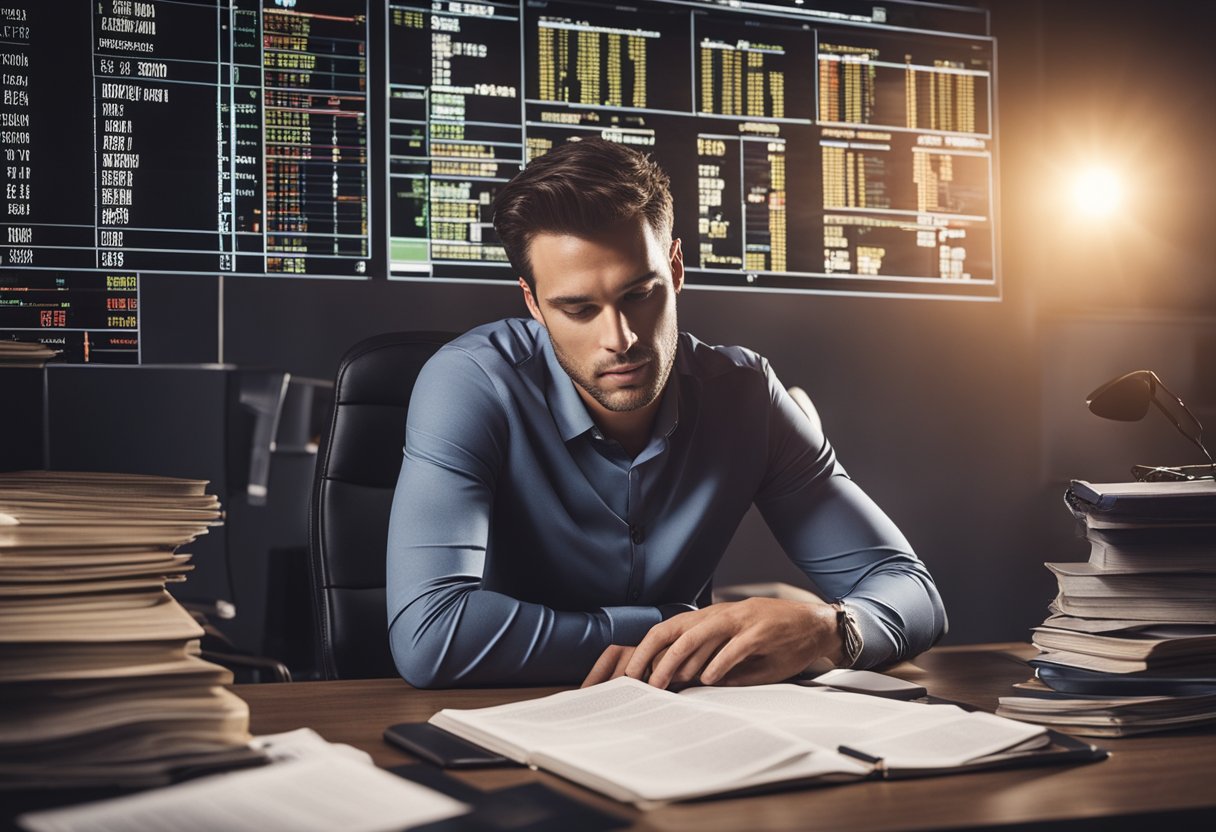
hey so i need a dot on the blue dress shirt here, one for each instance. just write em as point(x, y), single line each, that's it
point(522, 542)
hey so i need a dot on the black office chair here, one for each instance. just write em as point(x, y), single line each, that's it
point(357, 469)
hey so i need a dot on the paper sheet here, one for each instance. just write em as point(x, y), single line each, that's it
point(314, 786)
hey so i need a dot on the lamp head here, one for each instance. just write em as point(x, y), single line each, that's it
point(1125, 398)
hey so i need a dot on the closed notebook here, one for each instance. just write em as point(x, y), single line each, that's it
point(1179, 500)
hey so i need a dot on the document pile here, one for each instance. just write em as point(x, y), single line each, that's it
point(647, 746)
point(1130, 645)
point(25, 353)
point(99, 681)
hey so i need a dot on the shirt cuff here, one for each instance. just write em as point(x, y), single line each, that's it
point(629, 625)
point(667, 611)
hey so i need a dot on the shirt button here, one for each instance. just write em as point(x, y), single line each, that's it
point(637, 534)
point(634, 595)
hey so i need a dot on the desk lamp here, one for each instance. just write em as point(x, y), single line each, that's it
point(1126, 399)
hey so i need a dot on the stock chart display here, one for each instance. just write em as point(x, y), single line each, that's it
point(840, 147)
point(187, 137)
point(175, 137)
point(826, 145)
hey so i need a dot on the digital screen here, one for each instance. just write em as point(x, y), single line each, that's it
point(837, 148)
point(826, 145)
point(200, 137)
point(90, 317)
point(175, 137)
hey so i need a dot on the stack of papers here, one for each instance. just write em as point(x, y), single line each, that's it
point(25, 353)
point(100, 682)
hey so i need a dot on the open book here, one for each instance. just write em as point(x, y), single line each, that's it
point(647, 746)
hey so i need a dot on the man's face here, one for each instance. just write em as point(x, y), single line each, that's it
point(608, 303)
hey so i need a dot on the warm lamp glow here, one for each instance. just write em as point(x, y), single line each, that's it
point(1097, 193)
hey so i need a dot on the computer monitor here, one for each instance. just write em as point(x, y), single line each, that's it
point(824, 146)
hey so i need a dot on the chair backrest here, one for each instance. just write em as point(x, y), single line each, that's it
point(357, 469)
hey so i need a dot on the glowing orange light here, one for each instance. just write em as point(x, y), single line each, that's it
point(1097, 192)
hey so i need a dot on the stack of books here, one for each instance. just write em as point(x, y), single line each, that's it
point(100, 682)
point(1130, 645)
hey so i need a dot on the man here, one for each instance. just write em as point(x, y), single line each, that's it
point(571, 481)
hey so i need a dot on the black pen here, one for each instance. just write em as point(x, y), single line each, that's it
point(877, 762)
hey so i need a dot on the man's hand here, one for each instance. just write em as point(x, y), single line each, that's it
point(751, 642)
point(609, 665)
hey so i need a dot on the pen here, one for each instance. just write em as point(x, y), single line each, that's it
point(877, 762)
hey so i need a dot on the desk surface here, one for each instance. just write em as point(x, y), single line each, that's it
point(1172, 776)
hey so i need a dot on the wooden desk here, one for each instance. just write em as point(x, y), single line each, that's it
point(1170, 778)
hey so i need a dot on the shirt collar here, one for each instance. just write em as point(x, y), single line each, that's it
point(565, 404)
point(668, 418)
point(569, 412)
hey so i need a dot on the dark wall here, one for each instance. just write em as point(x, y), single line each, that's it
point(945, 412)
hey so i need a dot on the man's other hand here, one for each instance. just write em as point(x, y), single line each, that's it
point(752, 642)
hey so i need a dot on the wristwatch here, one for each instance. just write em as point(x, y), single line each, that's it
point(851, 641)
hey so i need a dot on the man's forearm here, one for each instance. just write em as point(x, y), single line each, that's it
point(459, 635)
point(853, 552)
point(899, 613)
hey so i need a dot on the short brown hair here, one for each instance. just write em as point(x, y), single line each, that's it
point(580, 188)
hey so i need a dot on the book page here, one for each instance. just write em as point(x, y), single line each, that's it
point(691, 758)
point(823, 716)
point(949, 743)
point(902, 734)
point(511, 730)
point(635, 742)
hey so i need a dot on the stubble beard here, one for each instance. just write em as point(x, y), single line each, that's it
point(623, 401)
